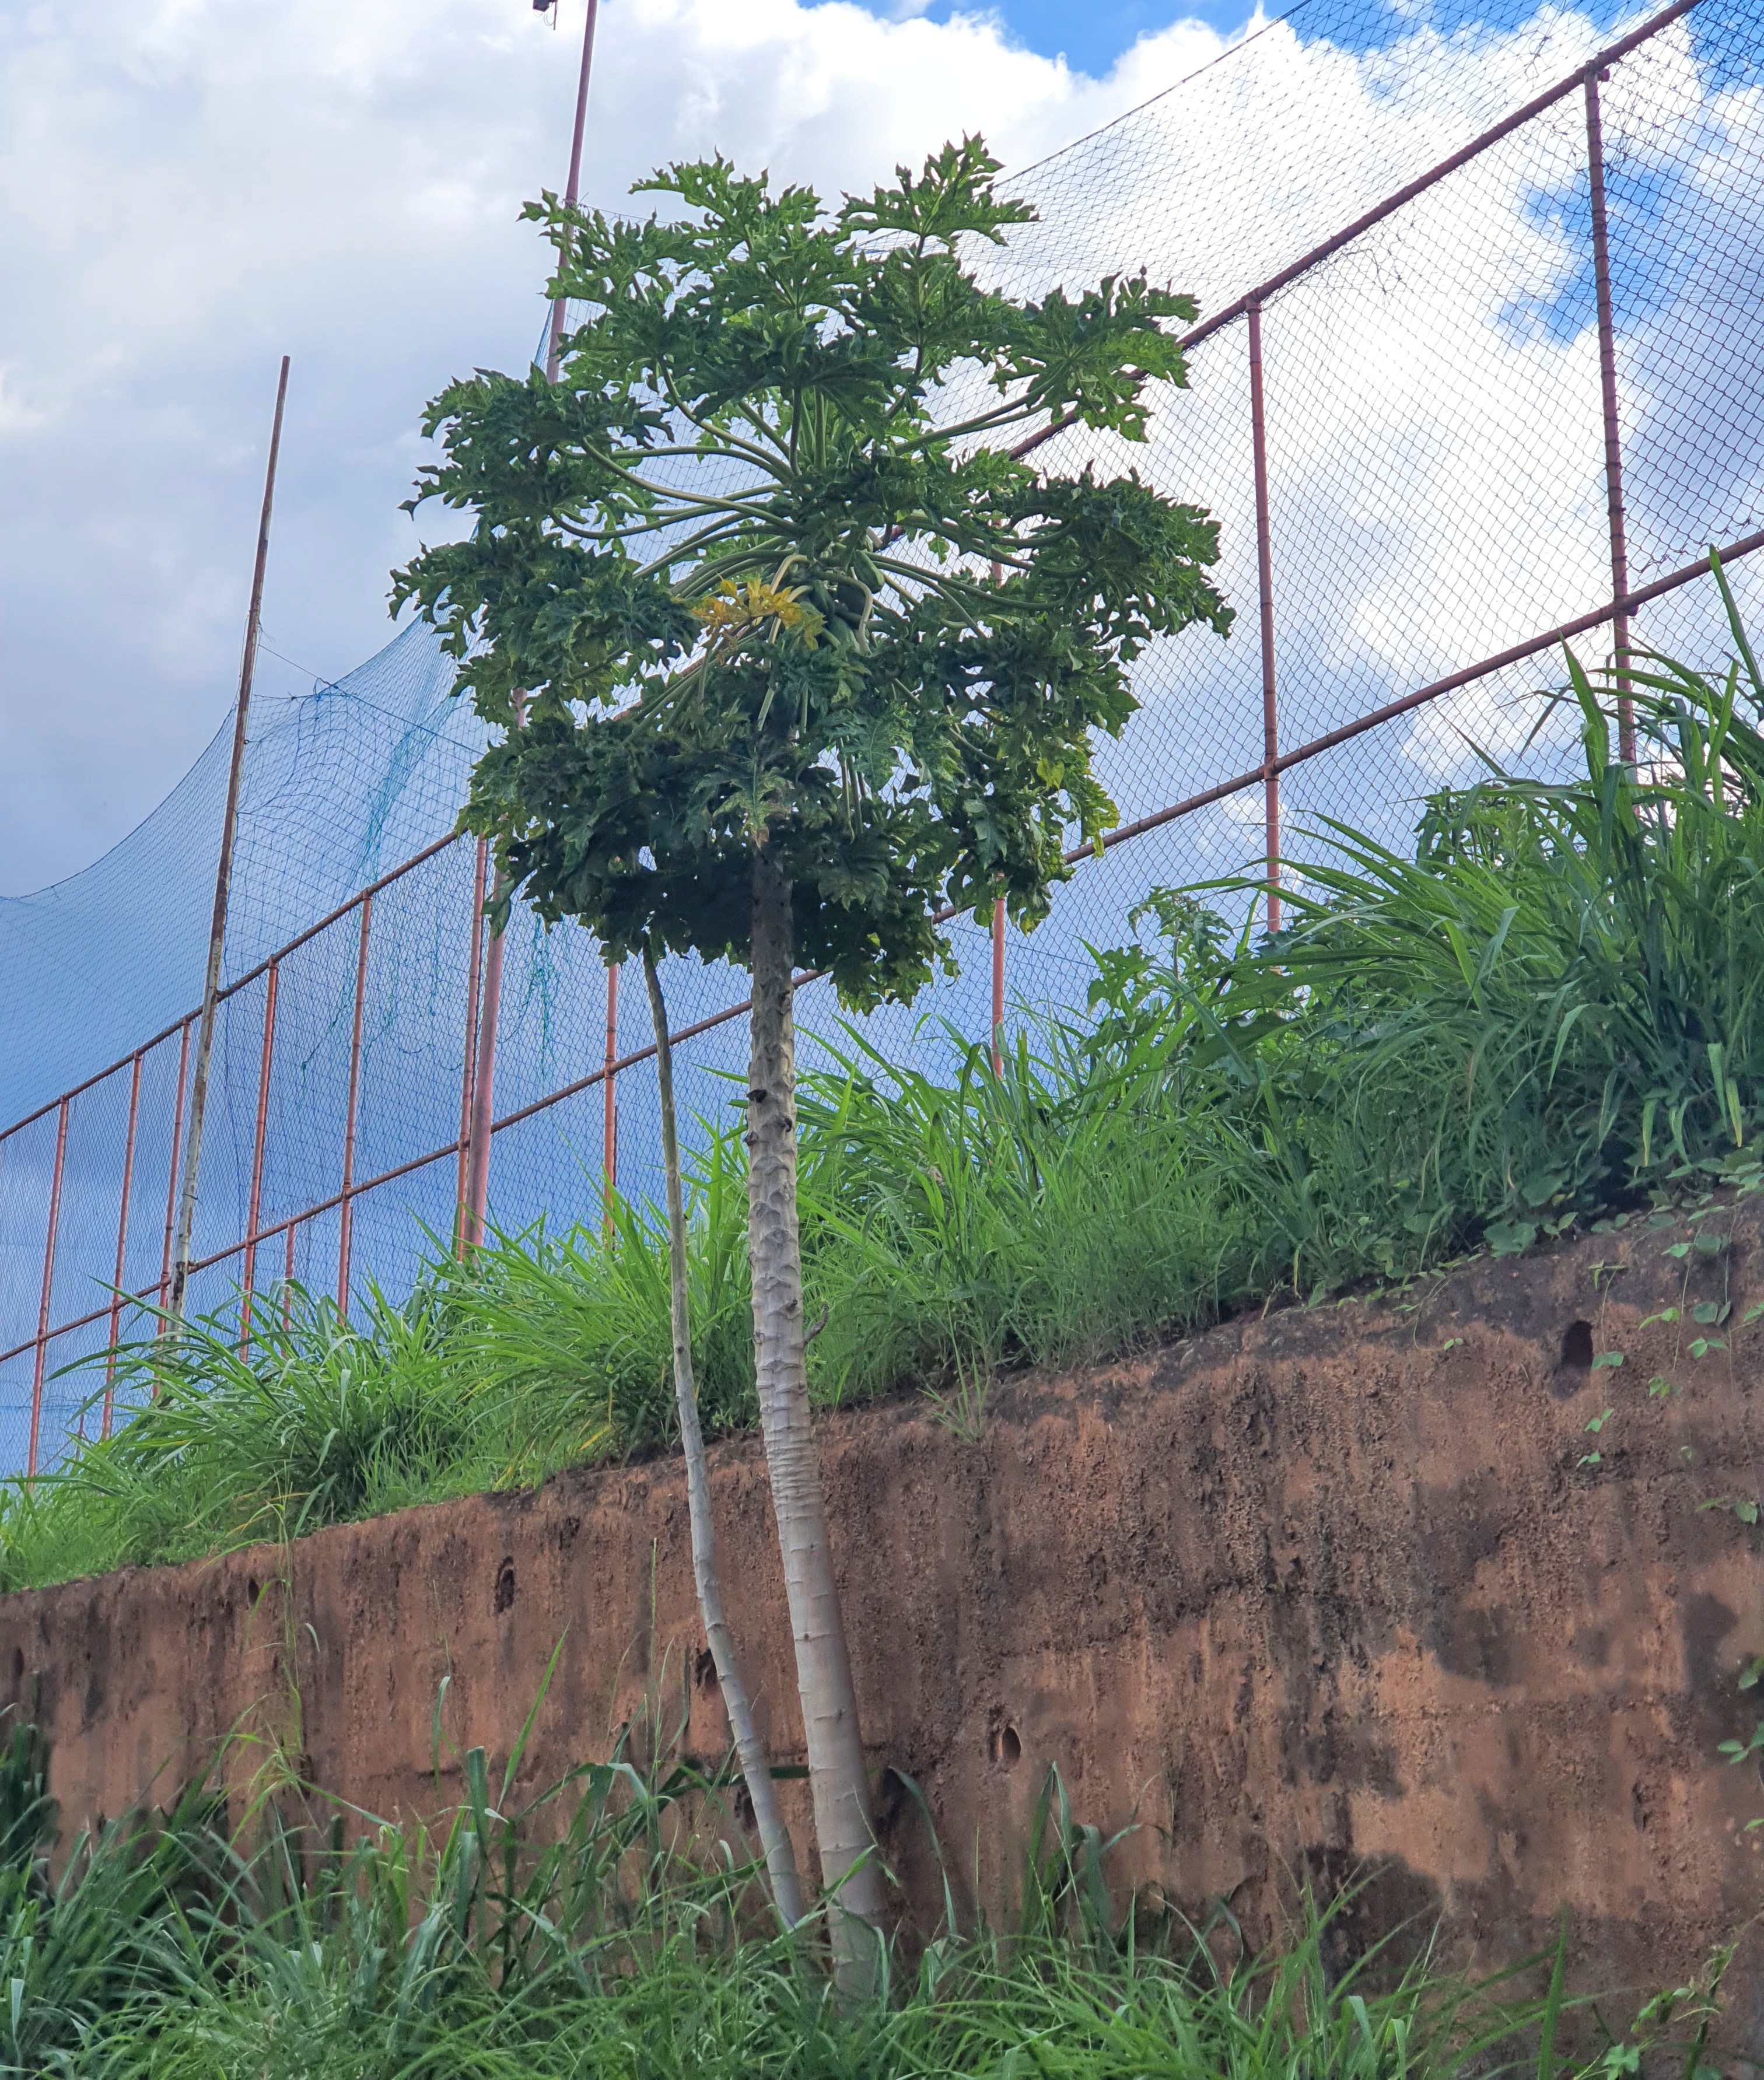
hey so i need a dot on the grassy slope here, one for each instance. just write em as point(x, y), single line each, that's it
point(1551, 1009)
point(1555, 1007)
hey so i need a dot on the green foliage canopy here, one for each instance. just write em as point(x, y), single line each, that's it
point(757, 570)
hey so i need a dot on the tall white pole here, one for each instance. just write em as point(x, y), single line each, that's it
point(477, 1164)
point(223, 878)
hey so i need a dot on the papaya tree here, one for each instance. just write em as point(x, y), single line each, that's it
point(807, 654)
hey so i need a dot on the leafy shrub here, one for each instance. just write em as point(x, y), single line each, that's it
point(1556, 1005)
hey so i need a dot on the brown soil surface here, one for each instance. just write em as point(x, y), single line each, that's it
point(1327, 1592)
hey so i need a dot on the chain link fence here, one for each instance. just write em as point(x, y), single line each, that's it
point(1478, 375)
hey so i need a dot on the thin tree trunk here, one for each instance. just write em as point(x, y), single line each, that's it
point(830, 1707)
point(774, 1836)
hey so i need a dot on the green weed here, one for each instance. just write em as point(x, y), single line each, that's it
point(1553, 1009)
point(610, 1924)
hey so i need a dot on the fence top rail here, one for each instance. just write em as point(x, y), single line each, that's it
point(1515, 654)
point(1610, 55)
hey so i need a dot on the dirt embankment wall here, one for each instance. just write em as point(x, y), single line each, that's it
point(1321, 1591)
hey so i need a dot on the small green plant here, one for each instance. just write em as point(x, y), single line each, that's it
point(613, 1922)
point(1517, 1029)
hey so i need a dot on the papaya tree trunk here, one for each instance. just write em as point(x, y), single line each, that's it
point(849, 1866)
point(774, 1836)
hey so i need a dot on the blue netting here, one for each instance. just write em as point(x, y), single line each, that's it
point(1437, 492)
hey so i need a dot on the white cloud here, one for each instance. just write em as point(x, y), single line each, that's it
point(219, 181)
point(15, 416)
point(1435, 443)
point(190, 187)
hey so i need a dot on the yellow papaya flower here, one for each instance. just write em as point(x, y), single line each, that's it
point(733, 608)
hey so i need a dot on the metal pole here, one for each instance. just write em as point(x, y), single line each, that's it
point(122, 1248)
point(222, 879)
point(344, 1218)
point(248, 1278)
point(1271, 734)
point(554, 340)
point(477, 1180)
point(288, 1275)
point(997, 987)
point(478, 1108)
point(998, 940)
point(1614, 453)
point(609, 1125)
point(477, 1191)
point(49, 1280)
point(572, 188)
point(171, 1175)
point(469, 1062)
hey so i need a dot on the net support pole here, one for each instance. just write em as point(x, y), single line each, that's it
point(998, 943)
point(1614, 452)
point(609, 1132)
point(248, 1277)
point(1270, 730)
point(49, 1281)
point(223, 878)
point(609, 1101)
point(346, 1206)
point(554, 338)
point(476, 1195)
point(998, 987)
point(122, 1249)
point(468, 1063)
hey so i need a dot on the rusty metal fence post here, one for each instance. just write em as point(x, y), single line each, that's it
point(248, 1274)
point(223, 878)
point(1271, 733)
point(998, 987)
point(122, 1247)
point(554, 337)
point(609, 1101)
point(177, 1143)
point(48, 1280)
point(346, 1209)
point(477, 1189)
point(1614, 454)
point(468, 1064)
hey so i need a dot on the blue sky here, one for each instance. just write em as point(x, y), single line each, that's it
point(1091, 38)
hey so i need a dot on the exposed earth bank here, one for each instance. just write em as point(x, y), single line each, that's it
point(1350, 1589)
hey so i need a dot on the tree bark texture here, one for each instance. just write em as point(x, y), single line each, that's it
point(840, 1789)
point(774, 1836)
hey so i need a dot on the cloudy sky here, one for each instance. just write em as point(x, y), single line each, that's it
point(188, 188)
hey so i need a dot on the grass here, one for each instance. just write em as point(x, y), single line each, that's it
point(611, 1925)
point(1549, 1011)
